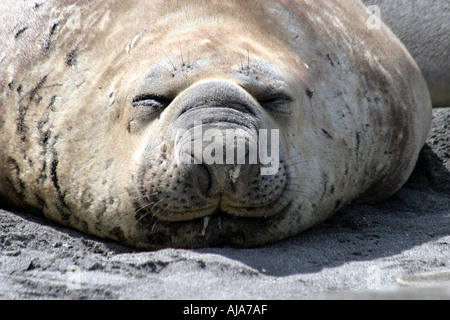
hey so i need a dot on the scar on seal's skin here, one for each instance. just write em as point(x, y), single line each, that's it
point(329, 58)
point(49, 42)
point(72, 57)
point(327, 134)
point(20, 32)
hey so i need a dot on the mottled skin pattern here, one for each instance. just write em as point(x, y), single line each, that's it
point(93, 92)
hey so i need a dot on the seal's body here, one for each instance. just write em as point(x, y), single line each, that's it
point(99, 101)
point(424, 28)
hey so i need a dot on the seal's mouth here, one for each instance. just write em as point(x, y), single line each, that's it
point(235, 211)
point(217, 229)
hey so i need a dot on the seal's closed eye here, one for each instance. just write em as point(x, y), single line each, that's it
point(279, 103)
point(151, 101)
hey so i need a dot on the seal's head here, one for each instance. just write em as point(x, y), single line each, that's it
point(214, 164)
point(198, 124)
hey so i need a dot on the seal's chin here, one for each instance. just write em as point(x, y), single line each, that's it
point(217, 229)
point(149, 211)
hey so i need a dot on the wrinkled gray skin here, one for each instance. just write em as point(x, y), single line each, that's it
point(424, 28)
point(93, 93)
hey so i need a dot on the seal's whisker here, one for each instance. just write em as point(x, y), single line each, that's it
point(295, 188)
point(145, 196)
point(297, 178)
point(292, 157)
point(139, 189)
point(149, 211)
point(189, 59)
point(154, 225)
point(140, 197)
point(170, 61)
point(157, 204)
point(139, 194)
point(282, 202)
point(144, 215)
point(181, 53)
point(136, 191)
point(167, 207)
point(142, 179)
point(142, 207)
point(295, 184)
point(297, 191)
point(289, 165)
point(156, 220)
point(132, 171)
point(248, 57)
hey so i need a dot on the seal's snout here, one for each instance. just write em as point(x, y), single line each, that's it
point(228, 176)
point(217, 94)
point(218, 145)
point(220, 158)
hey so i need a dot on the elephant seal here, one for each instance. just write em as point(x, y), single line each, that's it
point(100, 102)
point(424, 27)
